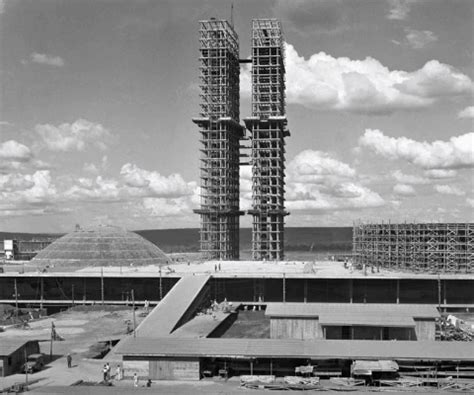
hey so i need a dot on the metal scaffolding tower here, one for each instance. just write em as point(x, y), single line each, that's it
point(429, 247)
point(268, 129)
point(220, 131)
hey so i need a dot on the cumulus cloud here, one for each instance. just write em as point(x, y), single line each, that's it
point(152, 183)
point(399, 9)
point(449, 190)
point(468, 112)
point(98, 189)
point(21, 191)
point(73, 137)
point(348, 196)
point(402, 178)
point(49, 60)
point(318, 182)
point(404, 190)
point(418, 39)
point(316, 166)
point(452, 154)
point(14, 151)
point(470, 202)
point(364, 86)
point(440, 173)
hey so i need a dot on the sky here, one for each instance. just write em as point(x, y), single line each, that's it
point(97, 97)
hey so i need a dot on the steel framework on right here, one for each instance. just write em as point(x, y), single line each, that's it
point(268, 129)
point(418, 247)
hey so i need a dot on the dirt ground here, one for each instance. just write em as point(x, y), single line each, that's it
point(82, 329)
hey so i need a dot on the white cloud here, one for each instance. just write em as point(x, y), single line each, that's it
point(404, 190)
point(418, 39)
point(408, 178)
point(449, 190)
point(468, 112)
point(21, 191)
point(14, 151)
point(470, 202)
point(151, 183)
point(399, 9)
point(316, 166)
point(349, 196)
point(440, 173)
point(318, 182)
point(73, 137)
point(49, 60)
point(364, 86)
point(15, 182)
point(98, 189)
point(455, 153)
point(162, 207)
point(90, 168)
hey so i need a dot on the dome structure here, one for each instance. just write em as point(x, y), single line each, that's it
point(101, 246)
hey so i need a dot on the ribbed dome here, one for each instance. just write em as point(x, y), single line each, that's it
point(101, 246)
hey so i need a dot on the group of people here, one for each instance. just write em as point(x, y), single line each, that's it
point(217, 267)
point(106, 372)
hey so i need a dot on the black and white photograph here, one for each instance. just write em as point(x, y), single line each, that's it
point(236, 196)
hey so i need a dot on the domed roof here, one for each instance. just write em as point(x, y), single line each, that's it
point(101, 246)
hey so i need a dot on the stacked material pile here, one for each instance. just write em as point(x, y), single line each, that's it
point(454, 329)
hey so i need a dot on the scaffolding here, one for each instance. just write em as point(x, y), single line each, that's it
point(422, 247)
point(268, 129)
point(220, 130)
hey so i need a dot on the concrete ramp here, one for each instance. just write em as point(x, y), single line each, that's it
point(176, 308)
point(202, 325)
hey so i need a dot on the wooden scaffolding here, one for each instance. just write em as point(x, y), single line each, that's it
point(220, 130)
point(268, 129)
point(422, 247)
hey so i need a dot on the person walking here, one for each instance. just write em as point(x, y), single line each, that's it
point(104, 372)
point(107, 366)
point(69, 360)
point(118, 373)
point(135, 380)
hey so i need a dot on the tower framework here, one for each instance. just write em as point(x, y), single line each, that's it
point(418, 247)
point(268, 129)
point(218, 123)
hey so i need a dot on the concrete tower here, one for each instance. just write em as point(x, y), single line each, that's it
point(218, 123)
point(268, 129)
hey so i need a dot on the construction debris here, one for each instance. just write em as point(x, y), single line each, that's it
point(452, 328)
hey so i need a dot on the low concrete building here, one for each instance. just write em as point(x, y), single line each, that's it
point(351, 321)
point(13, 355)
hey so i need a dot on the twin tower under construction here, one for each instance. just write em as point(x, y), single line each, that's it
point(222, 136)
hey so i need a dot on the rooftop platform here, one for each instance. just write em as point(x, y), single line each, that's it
point(351, 310)
point(164, 318)
point(244, 269)
point(304, 349)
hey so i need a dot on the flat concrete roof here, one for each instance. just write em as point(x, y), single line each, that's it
point(378, 311)
point(163, 318)
point(243, 269)
point(367, 320)
point(291, 348)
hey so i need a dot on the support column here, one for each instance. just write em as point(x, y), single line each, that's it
point(305, 290)
point(398, 291)
point(351, 291)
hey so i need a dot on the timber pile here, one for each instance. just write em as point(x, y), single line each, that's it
point(458, 332)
